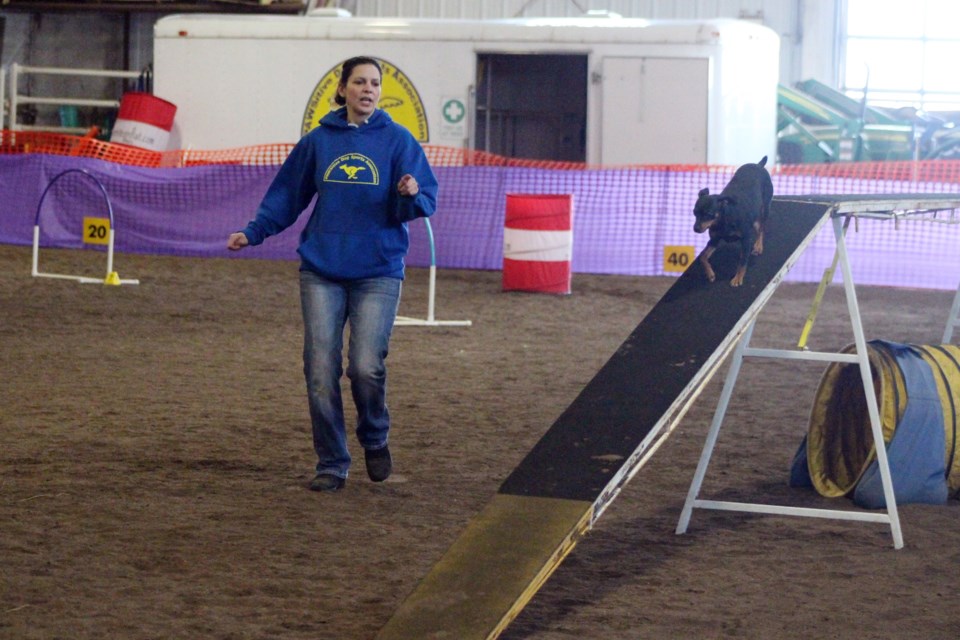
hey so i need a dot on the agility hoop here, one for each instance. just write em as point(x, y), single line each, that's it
point(111, 277)
point(430, 320)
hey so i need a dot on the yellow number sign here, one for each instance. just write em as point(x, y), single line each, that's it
point(96, 230)
point(677, 258)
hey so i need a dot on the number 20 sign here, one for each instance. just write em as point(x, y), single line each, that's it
point(96, 230)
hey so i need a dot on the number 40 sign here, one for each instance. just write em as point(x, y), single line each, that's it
point(96, 230)
point(677, 258)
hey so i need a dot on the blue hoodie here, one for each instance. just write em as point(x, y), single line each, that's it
point(358, 228)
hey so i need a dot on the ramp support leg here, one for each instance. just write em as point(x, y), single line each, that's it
point(728, 385)
point(953, 319)
point(862, 360)
point(871, 397)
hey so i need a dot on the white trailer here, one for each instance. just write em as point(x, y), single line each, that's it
point(602, 90)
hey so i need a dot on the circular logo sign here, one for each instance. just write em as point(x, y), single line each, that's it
point(398, 97)
point(453, 111)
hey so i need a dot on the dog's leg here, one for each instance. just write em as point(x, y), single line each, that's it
point(705, 261)
point(758, 242)
point(760, 225)
point(738, 276)
point(745, 244)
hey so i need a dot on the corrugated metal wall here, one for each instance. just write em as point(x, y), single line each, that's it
point(786, 17)
point(654, 9)
point(807, 30)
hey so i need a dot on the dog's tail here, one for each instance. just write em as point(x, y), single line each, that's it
point(762, 162)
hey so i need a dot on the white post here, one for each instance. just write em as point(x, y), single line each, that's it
point(13, 96)
point(3, 96)
point(110, 250)
point(432, 292)
point(35, 262)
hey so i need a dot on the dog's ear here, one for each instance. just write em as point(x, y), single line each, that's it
point(704, 192)
point(727, 200)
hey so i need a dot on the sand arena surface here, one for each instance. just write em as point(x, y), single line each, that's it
point(154, 452)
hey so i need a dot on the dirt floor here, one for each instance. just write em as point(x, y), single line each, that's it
point(155, 448)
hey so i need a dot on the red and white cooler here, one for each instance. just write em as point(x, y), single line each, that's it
point(144, 121)
point(538, 243)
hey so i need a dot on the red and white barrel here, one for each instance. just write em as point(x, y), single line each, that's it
point(538, 243)
point(144, 121)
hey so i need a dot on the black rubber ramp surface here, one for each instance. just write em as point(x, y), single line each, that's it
point(550, 500)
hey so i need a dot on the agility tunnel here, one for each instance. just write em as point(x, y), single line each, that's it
point(917, 390)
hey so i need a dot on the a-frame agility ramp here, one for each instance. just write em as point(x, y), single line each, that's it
point(625, 412)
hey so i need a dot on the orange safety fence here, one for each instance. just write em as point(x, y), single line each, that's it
point(88, 146)
point(944, 171)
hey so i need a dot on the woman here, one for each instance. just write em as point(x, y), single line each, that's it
point(370, 177)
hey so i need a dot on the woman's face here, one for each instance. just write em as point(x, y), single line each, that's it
point(361, 91)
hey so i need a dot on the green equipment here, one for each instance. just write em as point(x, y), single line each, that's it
point(816, 123)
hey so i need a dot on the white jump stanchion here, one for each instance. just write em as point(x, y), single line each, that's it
point(430, 320)
point(111, 277)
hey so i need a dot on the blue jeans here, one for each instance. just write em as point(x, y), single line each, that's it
point(370, 306)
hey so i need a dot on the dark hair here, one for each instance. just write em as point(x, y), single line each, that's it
point(347, 68)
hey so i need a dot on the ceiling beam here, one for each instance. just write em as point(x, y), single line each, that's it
point(154, 6)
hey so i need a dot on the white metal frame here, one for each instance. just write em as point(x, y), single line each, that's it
point(895, 209)
point(16, 70)
point(111, 277)
point(953, 320)
point(430, 320)
point(4, 107)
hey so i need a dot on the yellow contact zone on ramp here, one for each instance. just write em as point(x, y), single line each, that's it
point(492, 570)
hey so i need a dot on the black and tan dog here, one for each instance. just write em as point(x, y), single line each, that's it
point(736, 214)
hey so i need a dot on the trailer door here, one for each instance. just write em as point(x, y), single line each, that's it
point(654, 110)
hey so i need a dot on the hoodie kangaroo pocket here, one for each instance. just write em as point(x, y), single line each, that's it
point(346, 255)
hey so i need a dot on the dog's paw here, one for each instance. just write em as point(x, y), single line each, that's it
point(738, 277)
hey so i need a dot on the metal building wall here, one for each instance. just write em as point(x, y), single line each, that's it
point(489, 9)
point(807, 30)
point(806, 27)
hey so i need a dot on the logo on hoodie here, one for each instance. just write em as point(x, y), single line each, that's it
point(352, 168)
point(398, 97)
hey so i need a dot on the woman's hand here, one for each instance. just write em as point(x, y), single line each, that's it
point(237, 241)
point(408, 186)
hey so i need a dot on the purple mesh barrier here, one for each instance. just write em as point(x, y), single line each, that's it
point(184, 211)
point(911, 253)
point(622, 217)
